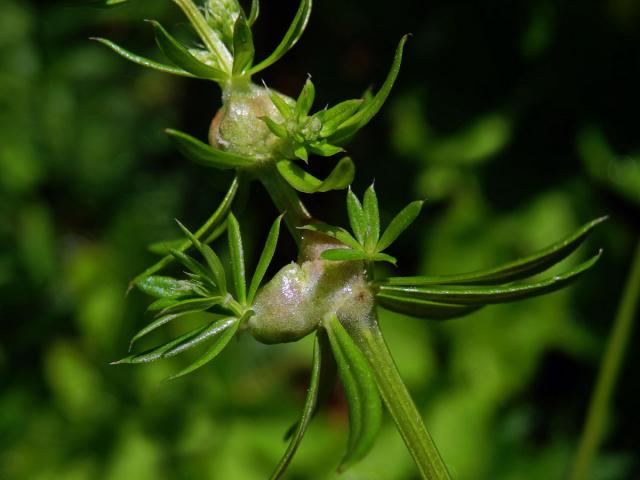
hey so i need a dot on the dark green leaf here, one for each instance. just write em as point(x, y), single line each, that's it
point(236, 250)
point(145, 62)
point(163, 320)
point(343, 254)
point(372, 217)
point(305, 100)
point(357, 219)
point(190, 263)
point(243, 49)
point(399, 224)
point(340, 177)
point(162, 303)
point(192, 305)
point(308, 410)
point(162, 248)
point(181, 57)
point(160, 286)
point(466, 295)
point(338, 233)
point(265, 259)
point(206, 155)
point(290, 38)
point(519, 269)
point(365, 409)
point(423, 308)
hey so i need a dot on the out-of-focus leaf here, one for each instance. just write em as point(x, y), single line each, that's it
point(206, 155)
point(290, 38)
point(399, 224)
point(243, 49)
point(145, 62)
point(265, 259)
point(365, 408)
point(339, 178)
point(236, 250)
point(162, 248)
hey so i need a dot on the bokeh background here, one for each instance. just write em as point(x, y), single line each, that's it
point(517, 121)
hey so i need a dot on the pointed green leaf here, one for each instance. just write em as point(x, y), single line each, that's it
point(372, 217)
point(237, 259)
point(192, 305)
point(162, 248)
point(301, 152)
point(290, 38)
point(335, 116)
point(340, 177)
point(357, 219)
point(423, 308)
point(324, 149)
point(466, 295)
point(305, 100)
point(383, 257)
point(308, 410)
point(162, 303)
point(265, 259)
point(370, 108)
point(160, 286)
point(190, 263)
point(399, 224)
point(254, 12)
point(219, 344)
point(277, 129)
point(517, 270)
point(145, 62)
point(213, 224)
point(344, 254)
point(365, 408)
point(280, 103)
point(338, 233)
point(243, 50)
point(206, 155)
point(182, 58)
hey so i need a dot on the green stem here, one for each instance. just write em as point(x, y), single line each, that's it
point(208, 36)
point(607, 376)
point(398, 400)
point(286, 200)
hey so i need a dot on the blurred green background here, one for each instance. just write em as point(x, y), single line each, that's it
point(517, 121)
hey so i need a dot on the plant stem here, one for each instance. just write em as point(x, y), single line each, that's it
point(398, 400)
point(607, 376)
point(286, 200)
point(208, 36)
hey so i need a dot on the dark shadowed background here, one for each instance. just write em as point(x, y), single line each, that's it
point(517, 121)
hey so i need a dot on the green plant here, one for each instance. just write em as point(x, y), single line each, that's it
point(332, 289)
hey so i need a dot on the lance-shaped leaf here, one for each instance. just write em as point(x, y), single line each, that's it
point(145, 62)
point(372, 217)
point(243, 49)
point(254, 12)
point(236, 251)
point(213, 223)
point(213, 261)
point(305, 100)
point(335, 116)
point(357, 219)
point(163, 247)
point(399, 224)
point(478, 295)
point(365, 409)
point(193, 265)
point(182, 58)
point(338, 233)
point(160, 286)
point(290, 38)
point(220, 342)
point(423, 308)
point(203, 154)
point(370, 108)
point(519, 269)
point(340, 177)
point(265, 259)
point(280, 103)
point(308, 410)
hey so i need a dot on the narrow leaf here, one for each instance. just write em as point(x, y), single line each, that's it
point(180, 56)
point(145, 62)
point(203, 154)
point(281, 104)
point(519, 269)
point(243, 50)
point(340, 177)
point(332, 118)
point(191, 264)
point(338, 233)
point(308, 410)
point(399, 224)
point(466, 295)
point(305, 99)
point(344, 254)
point(372, 217)
point(423, 308)
point(160, 286)
point(357, 219)
point(237, 259)
point(265, 259)
point(365, 409)
point(290, 38)
point(163, 247)
point(192, 305)
point(277, 129)
point(254, 12)
point(159, 322)
point(383, 257)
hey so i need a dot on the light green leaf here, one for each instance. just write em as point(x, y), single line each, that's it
point(357, 219)
point(277, 129)
point(372, 217)
point(344, 254)
point(340, 177)
point(423, 308)
point(338, 233)
point(206, 155)
point(335, 116)
point(470, 295)
point(192, 305)
point(180, 56)
point(305, 100)
point(265, 259)
point(301, 152)
point(290, 38)
point(370, 108)
point(236, 250)
point(162, 248)
point(160, 286)
point(308, 410)
point(399, 224)
point(383, 257)
point(519, 269)
point(254, 12)
point(281, 104)
point(324, 149)
point(145, 62)
point(243, 50)
point(365, 408)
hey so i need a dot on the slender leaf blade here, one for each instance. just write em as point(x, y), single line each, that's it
point(236, 250)
point(265, 259)
point(399, 224)
point(243, 49)
point(416, 307)
point(357, 219)
point(372, 217)
point(305, 99)
point(339, 178)
point(254, 12)
point(338, 233)
point(168, 287)
point(205, 155)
